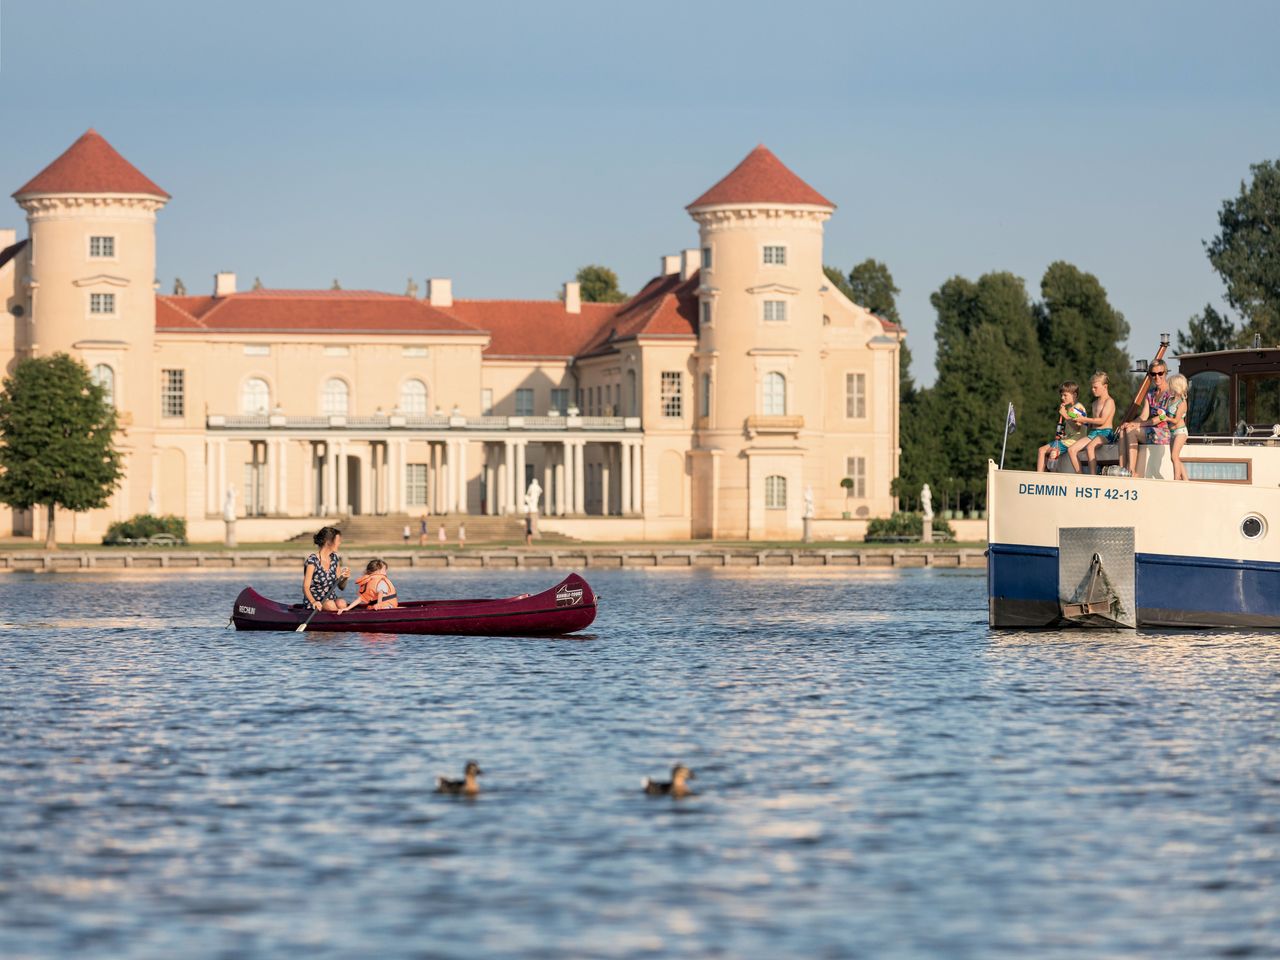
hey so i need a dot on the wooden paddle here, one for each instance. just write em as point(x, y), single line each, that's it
point(303, 625)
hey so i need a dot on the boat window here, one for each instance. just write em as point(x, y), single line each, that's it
point(1208, 403)
point(1258, 399)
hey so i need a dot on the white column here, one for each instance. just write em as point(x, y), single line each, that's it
point(273, 462)
point(282, 478)
point(449, 494)
point(461, 447)
point(546, 479)
point(520, 472)
point(624, 475)
point(606, 454)
point(402, 461)
point(341, 468)
point(637, 479)
point(222, 474)
point(509, 484)
point(560, 479)
point(490, 478)
point(579, 478)
point(210, 477)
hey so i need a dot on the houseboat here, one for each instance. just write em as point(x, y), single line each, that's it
point(1145, 550)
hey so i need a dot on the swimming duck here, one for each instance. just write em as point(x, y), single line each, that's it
point(466, 786)
point(677, 786)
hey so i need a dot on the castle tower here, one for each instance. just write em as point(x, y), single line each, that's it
point(90, 288)
point(759, 369)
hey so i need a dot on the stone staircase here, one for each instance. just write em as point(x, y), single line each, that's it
point(389, 529)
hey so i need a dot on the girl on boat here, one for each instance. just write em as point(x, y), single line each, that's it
point(323, 574)
point(1176, 413)
point(376, 589)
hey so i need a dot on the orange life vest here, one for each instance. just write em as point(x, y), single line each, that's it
point(368, 587)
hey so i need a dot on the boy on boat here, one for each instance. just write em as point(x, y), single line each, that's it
point(1070, 428)
point(376, 589)
point(1103, 413)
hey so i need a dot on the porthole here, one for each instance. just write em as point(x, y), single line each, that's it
point(1253, 527)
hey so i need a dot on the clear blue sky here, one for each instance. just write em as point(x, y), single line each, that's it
point(506, 144)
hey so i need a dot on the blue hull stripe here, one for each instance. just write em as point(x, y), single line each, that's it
point(1163, 582)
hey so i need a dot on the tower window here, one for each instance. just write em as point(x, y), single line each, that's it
point(102, 304)
point(775, 493)
point(775, 394)
point(775, 256)
point(855, 468)
point(855, 395)
point(775, 310)
point(105, 377)
point(704, 399)
point(706, 258)
point(173, 393)
point(704, 313)
point(672, 401)
point(102, 247)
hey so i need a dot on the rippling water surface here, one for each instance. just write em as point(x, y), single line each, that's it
point(879, 776)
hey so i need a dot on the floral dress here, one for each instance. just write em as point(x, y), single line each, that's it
point(324, 583)
point(1158, 401)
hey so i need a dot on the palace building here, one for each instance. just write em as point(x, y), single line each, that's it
point(710, 404)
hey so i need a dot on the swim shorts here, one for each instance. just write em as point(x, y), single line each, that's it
point(1106, 433)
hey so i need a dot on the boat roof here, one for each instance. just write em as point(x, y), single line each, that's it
point(1253, 354)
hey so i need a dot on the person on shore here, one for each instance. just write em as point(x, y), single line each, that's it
point(1178, 421)
point(377, 592)
point(1070, 429)
point(323, 574)
point(528, 529)
point(422, 531)
point(407, 534)
point(1152, 425)
point(1100, 433)
point(462, 535)
point(444, 537)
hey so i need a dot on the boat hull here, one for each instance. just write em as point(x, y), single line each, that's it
point(1187, 561)
point(567, 607)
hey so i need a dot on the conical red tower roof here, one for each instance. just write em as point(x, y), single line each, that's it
point(761, 178)
point(91, 165)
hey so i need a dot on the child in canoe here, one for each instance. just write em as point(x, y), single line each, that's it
point(1070, 429)
point(376, 590)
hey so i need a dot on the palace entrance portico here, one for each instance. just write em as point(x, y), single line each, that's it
point(437, 465)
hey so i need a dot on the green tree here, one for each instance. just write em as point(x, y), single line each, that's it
point(57, 431)
point(600, 285)
point(873, 287)
point(839, 280)
point(1079, 331)
point(1208, 331)
point(1246, 252)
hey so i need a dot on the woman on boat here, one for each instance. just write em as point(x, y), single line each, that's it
point(323, 574)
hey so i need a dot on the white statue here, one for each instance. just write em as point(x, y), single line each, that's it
point(151, 502)
point(229, 505)
point(926, 501)
point(532, 496)
point(808, 503)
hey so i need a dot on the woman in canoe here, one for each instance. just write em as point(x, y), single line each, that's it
point(323, 574)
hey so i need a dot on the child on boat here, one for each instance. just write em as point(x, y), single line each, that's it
point(376, 590)
point(1176, 415)
point(1070, 429)
point(1104, 411)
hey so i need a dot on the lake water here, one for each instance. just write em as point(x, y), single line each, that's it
point(879, 776)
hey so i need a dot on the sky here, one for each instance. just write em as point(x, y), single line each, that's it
point(505, 145)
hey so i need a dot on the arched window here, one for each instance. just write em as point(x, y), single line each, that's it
point(775, 394)
point(105, 377)
point(413, 398)
point(775, 493)
point(255, 397)
point(335, 397)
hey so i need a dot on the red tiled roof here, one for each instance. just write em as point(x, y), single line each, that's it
point(761, 178)
point(91, 165)
point(315, 311)
point(533, 328)
point(888, 325)
point(666, 306)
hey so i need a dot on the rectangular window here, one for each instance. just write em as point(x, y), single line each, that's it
point(173, 394)
point(102, 247)
point(775, 493)
point(671, 399)
point(775, 256)
point(704, 313)
point(855, 395)
point(257, 349)
point(337, 351)
point(704, 398)
point(855, 468)
point(706, 258)
point(413, 351)
point(775, 310)
point(102, 303)
point(524, 402)
point(486, 402)
point(560, 400)
point(415, 484)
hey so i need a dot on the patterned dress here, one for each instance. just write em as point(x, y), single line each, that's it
point(324, 583)
point(1158, 401)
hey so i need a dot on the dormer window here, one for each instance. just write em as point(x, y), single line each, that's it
point(102, 247)
point(102, 304)
point(775, 256)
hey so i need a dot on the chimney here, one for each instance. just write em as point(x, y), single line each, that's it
point(670, 264)
point(440, 292)
point(8, 238)
point(690, 261)
point(573, 297)
point(224, 284)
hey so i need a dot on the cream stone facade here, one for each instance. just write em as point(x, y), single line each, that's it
point(704, 406)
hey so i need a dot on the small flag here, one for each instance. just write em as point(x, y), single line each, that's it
point(1011, 422)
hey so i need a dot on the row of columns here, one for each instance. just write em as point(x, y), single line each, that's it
point(384, 481)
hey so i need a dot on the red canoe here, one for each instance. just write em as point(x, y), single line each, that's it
point(568, 606)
